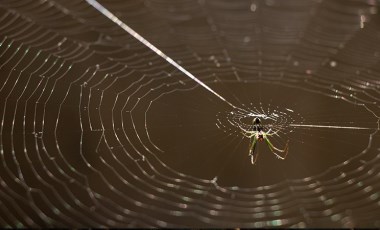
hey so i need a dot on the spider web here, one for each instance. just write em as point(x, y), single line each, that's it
point(98, 130)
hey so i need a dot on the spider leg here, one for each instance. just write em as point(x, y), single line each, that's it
point(248, 134)
point(254, 157)
point(280, 153)
point(252, 148)
point(271, 134)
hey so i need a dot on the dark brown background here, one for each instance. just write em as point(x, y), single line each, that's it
point(99, 131)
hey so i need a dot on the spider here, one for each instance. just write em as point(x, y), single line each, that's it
point(258, 134)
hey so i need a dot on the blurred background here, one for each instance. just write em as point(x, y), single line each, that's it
point(98, 130)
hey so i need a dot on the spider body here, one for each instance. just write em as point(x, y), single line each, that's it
point(258, 133)
point(258, 128)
